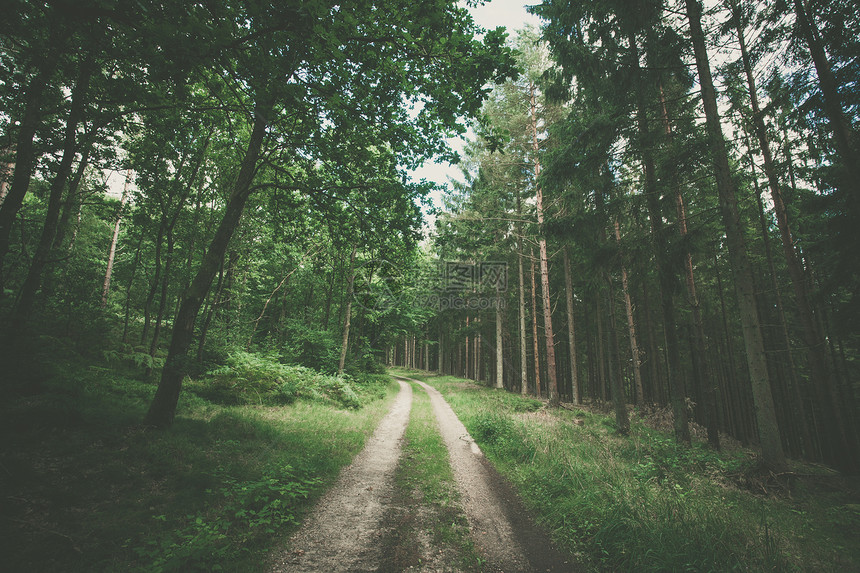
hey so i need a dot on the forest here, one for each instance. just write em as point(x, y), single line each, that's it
point(211, 241)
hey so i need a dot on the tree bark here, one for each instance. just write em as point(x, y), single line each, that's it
point(43, 250)
point(163, 408)
point(571, 332)
point(500, 363)
point(768, 430)
point(631, 327)
point(25, 156)
point(677, 394)
point(536, 349)
point(114, 239)
point(346, 321)
point(700, 357)
point(552, 375)
point(616, 383)
point(813, 338)
point(524, 376)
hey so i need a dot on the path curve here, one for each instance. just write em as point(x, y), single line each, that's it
point(342, 532)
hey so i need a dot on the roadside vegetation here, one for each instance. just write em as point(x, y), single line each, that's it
point(645, 503)
point(87, 488)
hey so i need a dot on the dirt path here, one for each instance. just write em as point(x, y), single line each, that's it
point(499, 525)
point(342, 533)
point(352, 525)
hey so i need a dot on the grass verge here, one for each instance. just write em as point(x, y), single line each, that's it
point(86, 488)
point(427, 526)
point(643, 503)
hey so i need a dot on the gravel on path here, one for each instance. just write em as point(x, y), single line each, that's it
point(343, 531)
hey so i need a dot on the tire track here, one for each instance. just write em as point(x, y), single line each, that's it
point(342, 533)
point(499, 523)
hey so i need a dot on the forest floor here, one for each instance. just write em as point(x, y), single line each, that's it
point(370, 521)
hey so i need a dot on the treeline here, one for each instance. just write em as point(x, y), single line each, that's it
point(674, 192)
point(263, 147)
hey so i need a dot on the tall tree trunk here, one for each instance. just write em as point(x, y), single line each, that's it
point(500, 363)
point(600, 316)
point(214, 301)
point(571, 332)
point(43, 250)
point(552, 375)
point(163, 407)
point(536, 349)
point(73, 201)
point(349, 286)
point(524, 376)
point(813, 338)
point(631, 327)
point(677, 393)
point(156, 281)
point(162, 300)
point(115, 238)
point(768, 430)
point(25, 155)
point(704, 373)
point(616, 382)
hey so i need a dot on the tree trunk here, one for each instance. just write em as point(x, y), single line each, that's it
point(631, 327)
point(215, 303)
point(6, 171)
point(72, 203)
point(112, 251)
point(700, 358)
point(49, 229)
point(535, 329)
point(25, 156)
point(813, 339)
point(665, 276)
point(552, 375)
point(616, 383)
point(346, 321)
point(127, 314)
point(524, 376)
point(768, 430)
point(156, 281)
point(163, 408)
point(500, 364)
point(571, 332)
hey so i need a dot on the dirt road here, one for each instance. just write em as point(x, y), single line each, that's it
point(344, 532)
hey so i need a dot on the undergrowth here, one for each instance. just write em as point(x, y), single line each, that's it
point(262, 380)
point(87, 488)
point(646, 503)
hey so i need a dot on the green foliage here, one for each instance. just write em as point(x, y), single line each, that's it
point(312, 348)
point(237, 513)
point(120, 497)
point(646, 503)
point(258, 379)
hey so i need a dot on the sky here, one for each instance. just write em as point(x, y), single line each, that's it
point(512, 15)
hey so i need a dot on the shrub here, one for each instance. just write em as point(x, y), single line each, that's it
point(249, 378)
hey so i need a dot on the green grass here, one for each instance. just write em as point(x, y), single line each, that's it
point(86, 488)
point(643, 503)
point(426, 488)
